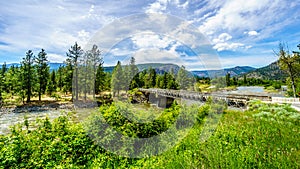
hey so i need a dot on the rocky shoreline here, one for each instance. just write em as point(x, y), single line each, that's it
point(37, 108)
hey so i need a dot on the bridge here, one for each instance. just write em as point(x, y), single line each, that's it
point(165, 97)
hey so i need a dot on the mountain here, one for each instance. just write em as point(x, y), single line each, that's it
point(238, 70)
point(53, 66)
point(270, 72)
point(160, 68)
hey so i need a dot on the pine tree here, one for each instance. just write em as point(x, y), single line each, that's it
point(52, 83)
point(75, 52)
point(28, 72)
point(116, 79)
point(245, 79)
point(100, 79)
point(60, 72)
point(228, 79)
point(96, 64)
point(1, 86)
point(42, 72)
point(11, 80)
point(182, 78)
point(132, 74)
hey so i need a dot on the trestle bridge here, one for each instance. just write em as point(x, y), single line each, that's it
point(165, 97)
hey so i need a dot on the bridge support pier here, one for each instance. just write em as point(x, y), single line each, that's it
point(160, 101)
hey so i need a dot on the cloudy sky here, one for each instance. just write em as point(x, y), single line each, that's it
point(239, 32)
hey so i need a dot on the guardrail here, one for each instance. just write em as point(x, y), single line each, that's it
point(285, 100)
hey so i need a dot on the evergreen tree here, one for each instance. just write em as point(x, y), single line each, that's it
point(11, 80)
point(116, 79)
point(150, 78)
point(235, 81)
point(100, 79)
point(228, 83)
point(60, 77)
point(98, 75)
point(1, 86)
point(182, 78)
point(75, 52)
point(28, 74)
point(42, 72)
point(245, 79)
point(132, 74)
point(52, 83)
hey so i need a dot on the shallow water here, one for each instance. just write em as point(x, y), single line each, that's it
point(9, 119)
point(255, 90)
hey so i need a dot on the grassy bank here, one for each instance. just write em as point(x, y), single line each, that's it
point(265, 136)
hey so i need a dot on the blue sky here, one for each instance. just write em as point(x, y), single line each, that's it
point(239, 32)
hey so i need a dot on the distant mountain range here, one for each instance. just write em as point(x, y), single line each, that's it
point(238, 70)
point(160, 68)
point(53, 66)
point(271, 72)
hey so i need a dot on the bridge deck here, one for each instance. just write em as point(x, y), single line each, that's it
point(204, 96)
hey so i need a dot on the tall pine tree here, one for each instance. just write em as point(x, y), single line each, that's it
point(28, 71)
point(75, 52)
point(42, 72)
point(116, 79)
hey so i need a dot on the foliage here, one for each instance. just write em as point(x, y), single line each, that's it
point(116, 79)
point(290, 64)
point(249, 139)
point(28, 73)
point(42, 68)
point(74, 54)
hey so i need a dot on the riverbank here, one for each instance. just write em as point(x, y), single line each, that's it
point(37, 107)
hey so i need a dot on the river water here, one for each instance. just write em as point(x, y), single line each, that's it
point(9, 119)
point(255, 90)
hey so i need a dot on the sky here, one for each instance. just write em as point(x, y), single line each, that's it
point(200, 34)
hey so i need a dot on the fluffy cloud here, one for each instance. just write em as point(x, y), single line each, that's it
point(222, 43)
point(252, 33)
point(222, 38)
point(56, 57)
point(228, 46)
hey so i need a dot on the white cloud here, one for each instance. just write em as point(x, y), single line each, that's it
point(156, 56)
point(158, 6)
point(222, 43)
point(151, 40)
point(227, 46)
point(222, 38)
point(56, 57)
point(252, 33)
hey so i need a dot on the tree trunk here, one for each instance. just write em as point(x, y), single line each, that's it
point(293, 81)
point(40, 93)
point(76, 84)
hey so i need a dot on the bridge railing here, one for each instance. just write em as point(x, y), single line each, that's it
point(187, 94)
point(285, 100)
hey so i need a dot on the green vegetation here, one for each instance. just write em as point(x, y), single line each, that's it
point(290, 63)
point(265, 136)
point(33, 77)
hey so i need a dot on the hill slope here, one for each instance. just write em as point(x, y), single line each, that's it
point(238, 70)
point(270, 72)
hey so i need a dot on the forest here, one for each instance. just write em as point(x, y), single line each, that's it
point(83, 74)
point(262, 136)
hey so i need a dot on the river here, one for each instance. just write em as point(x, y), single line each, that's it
point(9, 119)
